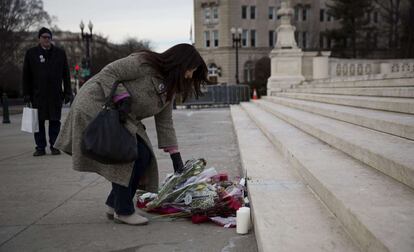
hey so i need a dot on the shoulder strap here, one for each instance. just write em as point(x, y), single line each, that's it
point(108, 100)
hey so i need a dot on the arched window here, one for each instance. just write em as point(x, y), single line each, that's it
point(248, 71)
point(213, 72)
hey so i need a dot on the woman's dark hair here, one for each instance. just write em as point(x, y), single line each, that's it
point(172, 65)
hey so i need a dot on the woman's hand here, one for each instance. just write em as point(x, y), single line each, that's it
point(177, 162)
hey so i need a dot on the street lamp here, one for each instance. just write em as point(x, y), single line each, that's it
point(87, 37)
point(236, 37)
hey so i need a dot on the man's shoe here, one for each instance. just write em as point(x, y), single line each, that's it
point(110, 213)
point(38, 153)
point(133, 219)
point(54, 151)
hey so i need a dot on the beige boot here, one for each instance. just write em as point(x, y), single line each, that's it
point(133, 219)
point(110, 213)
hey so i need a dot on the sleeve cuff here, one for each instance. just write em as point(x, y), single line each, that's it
point(171, 149)
point(121, 96)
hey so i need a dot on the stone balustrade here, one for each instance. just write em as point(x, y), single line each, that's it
point(365, 68)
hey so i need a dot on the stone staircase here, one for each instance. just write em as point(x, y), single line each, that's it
point(331, 166)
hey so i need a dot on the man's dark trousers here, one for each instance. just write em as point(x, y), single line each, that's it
point(40, 137)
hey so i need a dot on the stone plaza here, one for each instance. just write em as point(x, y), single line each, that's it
point(47, 206)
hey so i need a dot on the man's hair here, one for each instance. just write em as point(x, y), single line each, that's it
point(44, 30)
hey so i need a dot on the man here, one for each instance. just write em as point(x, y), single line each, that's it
point(45, 67)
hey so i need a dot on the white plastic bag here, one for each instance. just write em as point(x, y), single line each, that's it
point(30, 121)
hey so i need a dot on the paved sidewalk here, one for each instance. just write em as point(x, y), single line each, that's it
point(46, 206)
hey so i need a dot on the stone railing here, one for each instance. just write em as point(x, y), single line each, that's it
point(362, 67)
point(290, 68)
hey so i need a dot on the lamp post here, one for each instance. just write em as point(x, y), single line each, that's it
point(5, 102)
point(87, 37)
point(236, 38)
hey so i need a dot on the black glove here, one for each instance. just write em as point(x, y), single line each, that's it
point(124, 108)
point(67, 98)
point(177, 162)
point(26, 99)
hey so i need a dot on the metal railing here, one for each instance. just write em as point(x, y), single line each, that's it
point(223, 95)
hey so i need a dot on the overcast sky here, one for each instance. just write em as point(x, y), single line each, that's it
point(163, 22)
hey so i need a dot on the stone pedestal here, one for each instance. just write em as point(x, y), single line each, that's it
point(321, 66)
point(286, 69)
point(385, 68)
point(286, 57)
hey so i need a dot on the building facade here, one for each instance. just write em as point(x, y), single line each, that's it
point(213, 20)
point(257, 20)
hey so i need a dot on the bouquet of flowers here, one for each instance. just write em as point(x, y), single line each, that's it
point(197, 192)
point(175, 184)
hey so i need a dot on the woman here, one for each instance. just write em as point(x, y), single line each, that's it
point(149, 83)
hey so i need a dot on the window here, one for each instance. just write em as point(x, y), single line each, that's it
point(215, 38)
point(324, 42)
point(272, 38)
point(321, 41)
point(368, 39)
point(296, 36)
point(321, 15)
point(304, 14)
point(271, 13)
point(244, 12)
point(278, 16)
point(244, 38)
point(207, 14)
point(213, 72)
point(207, 38)
point(252, 12)
point(275, 38)
point(296, 13)
point(368, 16)
point(215, 13)
point(328, 17)
point(253, 38)
point(304, 39)
point(248, 71)
point(375, 17)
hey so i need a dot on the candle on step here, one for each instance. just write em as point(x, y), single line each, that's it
point(243, 220)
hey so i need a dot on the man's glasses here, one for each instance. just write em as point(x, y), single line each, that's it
point(46, 37)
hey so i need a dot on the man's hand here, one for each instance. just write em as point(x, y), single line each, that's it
point(177, 162)
point(26, 99)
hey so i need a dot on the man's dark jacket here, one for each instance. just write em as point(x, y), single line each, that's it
point(43, 73)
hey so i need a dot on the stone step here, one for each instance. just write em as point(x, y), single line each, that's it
point(407, 92)
point(285, 211)
point(389, 154)
point(402, 105)
point(398, 124)
point(332, 83)
point(376, 210)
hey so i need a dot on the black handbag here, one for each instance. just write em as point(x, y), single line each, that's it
point(106, 139)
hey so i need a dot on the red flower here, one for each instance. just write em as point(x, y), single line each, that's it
point(234, 203)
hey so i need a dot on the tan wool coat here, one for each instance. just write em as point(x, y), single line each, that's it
point(148, 98)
